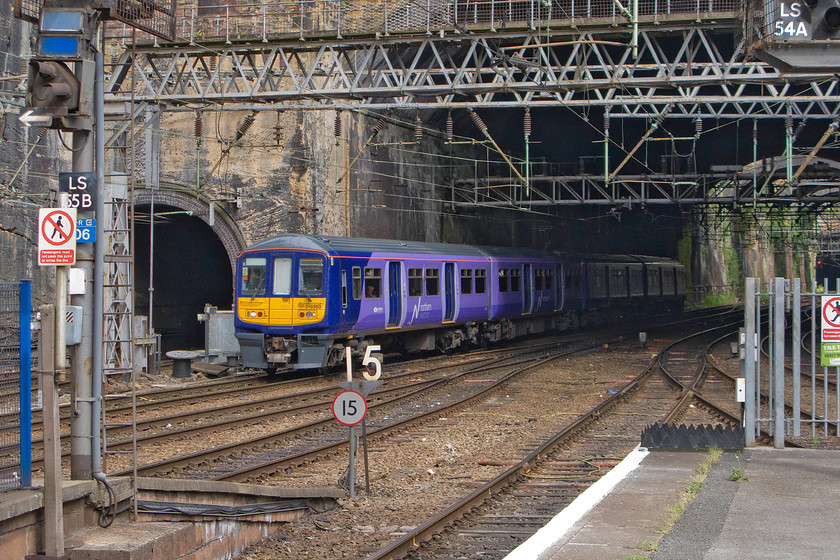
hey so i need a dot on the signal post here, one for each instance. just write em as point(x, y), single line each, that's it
point(60, 92)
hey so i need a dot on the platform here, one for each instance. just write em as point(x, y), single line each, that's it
point(771, 514)
point(177, 518)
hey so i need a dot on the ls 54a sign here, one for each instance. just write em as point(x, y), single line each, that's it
point(793, 22)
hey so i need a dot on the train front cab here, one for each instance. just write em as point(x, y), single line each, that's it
point(279, 296)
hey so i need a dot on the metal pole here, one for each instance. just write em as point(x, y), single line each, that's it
point(779, 364)
point(796, 319)
point(351, 470)
point(82, 366)
point(814, 314)
point(82, 378)
point(367, 468)
point(53, 498)
point(749, 362)
point(99, 264)
point(25, 306)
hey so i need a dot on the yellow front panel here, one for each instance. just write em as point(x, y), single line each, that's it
point(253, 310)
point(309, 310)
point(281, 311)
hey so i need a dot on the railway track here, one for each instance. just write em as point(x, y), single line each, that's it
point(160, 415)
point(393, 411)
point(278, 451)
point(498, 516)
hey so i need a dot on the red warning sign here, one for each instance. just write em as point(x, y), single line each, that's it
point(56, 236)
point(830, 318)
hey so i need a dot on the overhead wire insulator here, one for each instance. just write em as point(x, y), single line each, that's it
point(197, 127)
point(527, 121)
point(450, 128)
point(337, 126)
point(478, 122)
point(278, 129)
point(380, 124)
point(246, 125)
point(698, 127)
point(418, 129)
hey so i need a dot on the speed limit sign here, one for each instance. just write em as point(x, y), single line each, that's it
point(349, 408)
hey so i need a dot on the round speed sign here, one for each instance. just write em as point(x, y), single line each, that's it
point(349, 408)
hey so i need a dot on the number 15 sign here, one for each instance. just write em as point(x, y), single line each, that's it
point(349, 408)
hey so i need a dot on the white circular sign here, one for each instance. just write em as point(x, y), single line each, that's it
point(349, 408)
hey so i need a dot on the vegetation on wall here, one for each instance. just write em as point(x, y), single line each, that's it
point(762, 241)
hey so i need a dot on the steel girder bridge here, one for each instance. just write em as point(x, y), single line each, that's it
point(659, 63)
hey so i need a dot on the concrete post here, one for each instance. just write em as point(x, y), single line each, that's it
point(53, 497)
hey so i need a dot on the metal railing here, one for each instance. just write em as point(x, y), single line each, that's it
point(15, 386)
point(265, 21)
point(789, 393)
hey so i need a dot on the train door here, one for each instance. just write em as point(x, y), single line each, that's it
point(394, 294)
point(527, 290)
point(559, 281)
point(449, 291)
point(628, 281)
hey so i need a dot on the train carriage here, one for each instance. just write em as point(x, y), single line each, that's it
point(301, 300)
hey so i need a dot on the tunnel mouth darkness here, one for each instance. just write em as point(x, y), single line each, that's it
point(191, 269)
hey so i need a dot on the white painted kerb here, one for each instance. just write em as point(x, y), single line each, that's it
point(565, 520)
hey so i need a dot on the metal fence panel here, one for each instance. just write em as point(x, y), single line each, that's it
point(245, 20)
point(787, 396)
point(15, 387)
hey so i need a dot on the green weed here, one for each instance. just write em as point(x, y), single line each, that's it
point(738, 475)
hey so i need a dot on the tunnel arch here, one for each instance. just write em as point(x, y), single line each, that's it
point(224, 225)
point(192, 263)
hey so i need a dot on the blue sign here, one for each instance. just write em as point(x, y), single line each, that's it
point(60, 46)
point(85, 230)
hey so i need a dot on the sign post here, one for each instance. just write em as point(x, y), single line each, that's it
point(830, 337)
point(350, 408)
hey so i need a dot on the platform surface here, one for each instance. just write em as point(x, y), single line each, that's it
point(787, 507)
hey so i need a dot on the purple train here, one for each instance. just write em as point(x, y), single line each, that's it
point(302, 300)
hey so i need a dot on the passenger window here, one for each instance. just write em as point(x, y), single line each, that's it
point(548, 279)
point(253, 276)
point(357, 282)
point(432, 282)
point(311, 277)
point(373, 283)
point(538, 279)
point(480, 281)
point(282, 277)
point(466, 281)
point(503, 279)
point(514, 279)
point(598, 278)
point(415, 282)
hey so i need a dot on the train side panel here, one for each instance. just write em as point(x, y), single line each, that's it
point(301, 299)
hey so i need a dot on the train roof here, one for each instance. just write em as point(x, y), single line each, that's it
point(333, 245)
point(336, 245)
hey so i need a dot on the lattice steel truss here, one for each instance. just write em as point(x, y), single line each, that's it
point(677, 60)
point(119, 290)
point(690, 71)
